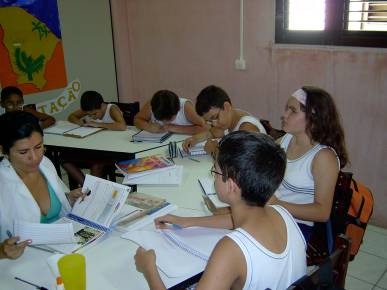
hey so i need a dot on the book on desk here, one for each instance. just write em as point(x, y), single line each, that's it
point(90, 218)
point(210, 197)
point(194, 150)
point(69, 129)
point(145, 136)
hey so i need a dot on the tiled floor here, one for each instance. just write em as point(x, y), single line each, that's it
point(369, 268)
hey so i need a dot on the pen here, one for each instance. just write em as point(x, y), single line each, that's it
point(43, 249)
point(87, 193)
point(175, 226)
point(32, 284)
point(190, 158)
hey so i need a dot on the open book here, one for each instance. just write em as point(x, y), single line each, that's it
point(179, 252)
point(134, 168)
point(195, 150)
point(66, 128)
point(210, 197)
point(92, 217)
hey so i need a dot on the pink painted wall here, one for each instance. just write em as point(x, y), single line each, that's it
point(186, 45)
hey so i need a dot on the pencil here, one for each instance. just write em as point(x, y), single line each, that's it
point(190, 158)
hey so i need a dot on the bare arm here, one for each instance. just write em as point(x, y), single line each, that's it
point(248, 127)
point(44, 119)
point(76, 117)
point(214, 221)
point(142, 120)
point(119, 121)
point(325, 172)
point(146, 264)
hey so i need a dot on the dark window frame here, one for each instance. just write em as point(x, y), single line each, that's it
point(334, 34)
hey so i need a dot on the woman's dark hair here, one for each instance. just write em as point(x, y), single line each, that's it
point(211, 97)
point(15, 126)
point(9, 91)
point(255, 162)
point(91, 100)
point(323, 121)
point(165, 104)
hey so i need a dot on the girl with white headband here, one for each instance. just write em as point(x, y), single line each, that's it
point(315, 150)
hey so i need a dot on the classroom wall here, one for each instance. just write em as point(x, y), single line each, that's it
point(88, 49)
point(186, 45)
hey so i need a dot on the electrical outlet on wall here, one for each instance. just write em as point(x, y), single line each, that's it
point(240, 64)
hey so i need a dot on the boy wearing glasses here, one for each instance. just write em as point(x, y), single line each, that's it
point(214, 105)
point(12, 100)
point(166, 112)
point(266, 249)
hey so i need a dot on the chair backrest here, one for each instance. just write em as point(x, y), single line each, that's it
point(331, 273)
point(129, 110)
point(275, 133)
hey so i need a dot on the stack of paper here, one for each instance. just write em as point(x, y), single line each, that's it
point(144, 136)
point(189, 247)
point(195, 150)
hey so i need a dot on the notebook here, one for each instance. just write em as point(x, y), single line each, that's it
point(92, 217)
point(189, 247)
point(144, 136)
point(169, 176)
point(66, 128)
point(210, 197)
point(134, 168)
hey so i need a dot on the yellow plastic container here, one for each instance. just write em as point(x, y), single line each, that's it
point(72, 269)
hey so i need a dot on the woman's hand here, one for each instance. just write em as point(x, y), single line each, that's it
point(10, 249)
point(163, 221)
point(75, 194)
point(145, 260)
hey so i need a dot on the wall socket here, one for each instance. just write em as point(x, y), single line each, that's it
point(240, 64)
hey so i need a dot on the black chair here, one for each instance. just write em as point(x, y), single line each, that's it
point(129, 110)
point(331, 272)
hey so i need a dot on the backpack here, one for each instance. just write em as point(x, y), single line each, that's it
point(351, 211)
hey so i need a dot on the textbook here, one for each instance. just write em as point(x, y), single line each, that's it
point(211, 198)
point(92, 217)
point(143, 166)
point(195, 150)
point(66, 128)
point(169, 176)
point(179, 252)
point(144, 136)
point(137, 206)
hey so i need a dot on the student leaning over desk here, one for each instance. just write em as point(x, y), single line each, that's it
point(266, 249)
point(30, 190)
point(214, 105)
point(166, 112)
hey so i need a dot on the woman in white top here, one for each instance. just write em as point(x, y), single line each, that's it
point(167, 112)
point(30, 190)
point(315, 151)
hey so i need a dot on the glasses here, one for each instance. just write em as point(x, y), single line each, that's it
point(213, 172)
point(213, 119)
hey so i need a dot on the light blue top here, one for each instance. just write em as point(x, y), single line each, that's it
point(55, 207)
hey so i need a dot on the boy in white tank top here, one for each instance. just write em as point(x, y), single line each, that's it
point(167, 112)
point(214, 105)
point(266, 249)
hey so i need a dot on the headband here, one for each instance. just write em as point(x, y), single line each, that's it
point(300, 95)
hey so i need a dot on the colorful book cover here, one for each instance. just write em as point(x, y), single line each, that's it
point(143, 164)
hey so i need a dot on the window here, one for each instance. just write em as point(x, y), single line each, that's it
point(332, 22)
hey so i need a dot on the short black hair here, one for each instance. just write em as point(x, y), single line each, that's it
point(254, 162)
point(8, 91)
point(211, 96)
point(165, 104)
point(91, 100)
point(15, 126)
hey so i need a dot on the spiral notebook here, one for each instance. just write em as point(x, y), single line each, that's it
point(190, 247)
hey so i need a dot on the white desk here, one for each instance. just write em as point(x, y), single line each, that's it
point(110, 263)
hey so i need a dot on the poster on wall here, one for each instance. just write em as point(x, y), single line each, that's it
point(31, 49)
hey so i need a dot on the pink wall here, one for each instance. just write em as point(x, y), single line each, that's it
point(186, 45)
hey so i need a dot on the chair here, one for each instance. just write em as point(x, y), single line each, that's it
point(331, 272)
point(129, 110)
point(320, 244)
point(275, 133)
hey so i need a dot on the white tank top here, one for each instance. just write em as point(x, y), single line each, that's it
point(252, 120)
point(298, 183)
point(268, 270)
point(107, 118)
point(180, 117)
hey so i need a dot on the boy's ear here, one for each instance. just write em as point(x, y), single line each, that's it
point(226, 106)
point(233, 187)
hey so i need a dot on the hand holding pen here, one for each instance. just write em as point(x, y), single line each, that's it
point(11, 248)
point(169, 220)
point(85, 192)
